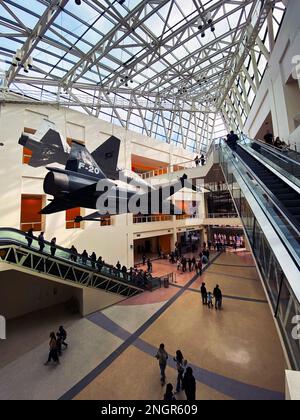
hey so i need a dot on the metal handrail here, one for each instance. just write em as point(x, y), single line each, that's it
point(273, 150)
point(150, 174)
point(275, 202)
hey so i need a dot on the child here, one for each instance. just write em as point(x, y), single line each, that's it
point(209, 300)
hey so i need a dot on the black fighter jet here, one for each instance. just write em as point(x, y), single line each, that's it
point(84, 184)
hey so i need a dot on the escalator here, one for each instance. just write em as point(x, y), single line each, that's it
point(267, 200)
point(15, 254)
point(287, 196)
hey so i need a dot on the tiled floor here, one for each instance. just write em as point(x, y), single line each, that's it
point(235, 353)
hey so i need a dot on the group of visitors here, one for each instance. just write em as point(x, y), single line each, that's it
point(269, 139)
point(41, 241)
point(200, 160)
point(185, 378)
point(55, 345)
point(207, 297)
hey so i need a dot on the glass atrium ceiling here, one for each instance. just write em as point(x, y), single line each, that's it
point(176, 70)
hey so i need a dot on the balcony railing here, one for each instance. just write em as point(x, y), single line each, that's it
point(222, 215)
point(151, 219)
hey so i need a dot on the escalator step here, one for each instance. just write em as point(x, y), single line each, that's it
point(291, 203)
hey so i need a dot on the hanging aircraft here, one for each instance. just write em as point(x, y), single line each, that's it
point(48, 146)
point(84, 184)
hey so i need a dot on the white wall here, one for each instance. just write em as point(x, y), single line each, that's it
point(272, 95)
point(22, 293)
point(112, 242)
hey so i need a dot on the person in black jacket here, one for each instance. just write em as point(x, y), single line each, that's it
point(93, 259)
point(189, 384)
point(29, 237)
point(84, 257)
point(53, 246)
point(41, 241)
point(218, 296)
point(232, 140)
point(203, 294)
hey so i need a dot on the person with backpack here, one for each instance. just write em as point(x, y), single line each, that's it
point(180, 365)
point(162, 357)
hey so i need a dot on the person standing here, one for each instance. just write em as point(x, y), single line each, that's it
point(29, 237)
point(84, 257)
point(52, 350)
point(180, 365)
point(99, 264)
point(189, 384)
point(169, 395)
point(144, 259)
point(53, 246)
point(93, 258)
point(41, 241)
point(162, 357)
point(203, 294)
point(196, 160)
point(202, 159)
point(218, 296)
point(232, 140)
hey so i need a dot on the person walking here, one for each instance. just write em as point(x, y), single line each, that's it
point(169, 395)
point(218, 296)
point(63, 336)
point(180, 365)
point(41, 241)
point(162, 357)
point(29, 237)
point(200, 267)
point(52, 350)
point(189, 384)
point(203, 294)
point(53, 246)
point(209, 300)
point(149, 265)
point(190, 264)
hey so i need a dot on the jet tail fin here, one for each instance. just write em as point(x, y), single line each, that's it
point(107, 155)
point(81, 161)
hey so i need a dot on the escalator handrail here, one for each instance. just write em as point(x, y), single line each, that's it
point(58, 247)
point(294, 256)
point(13, 241)
point(71, 263)
point(273, 150)
point(289, 217)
